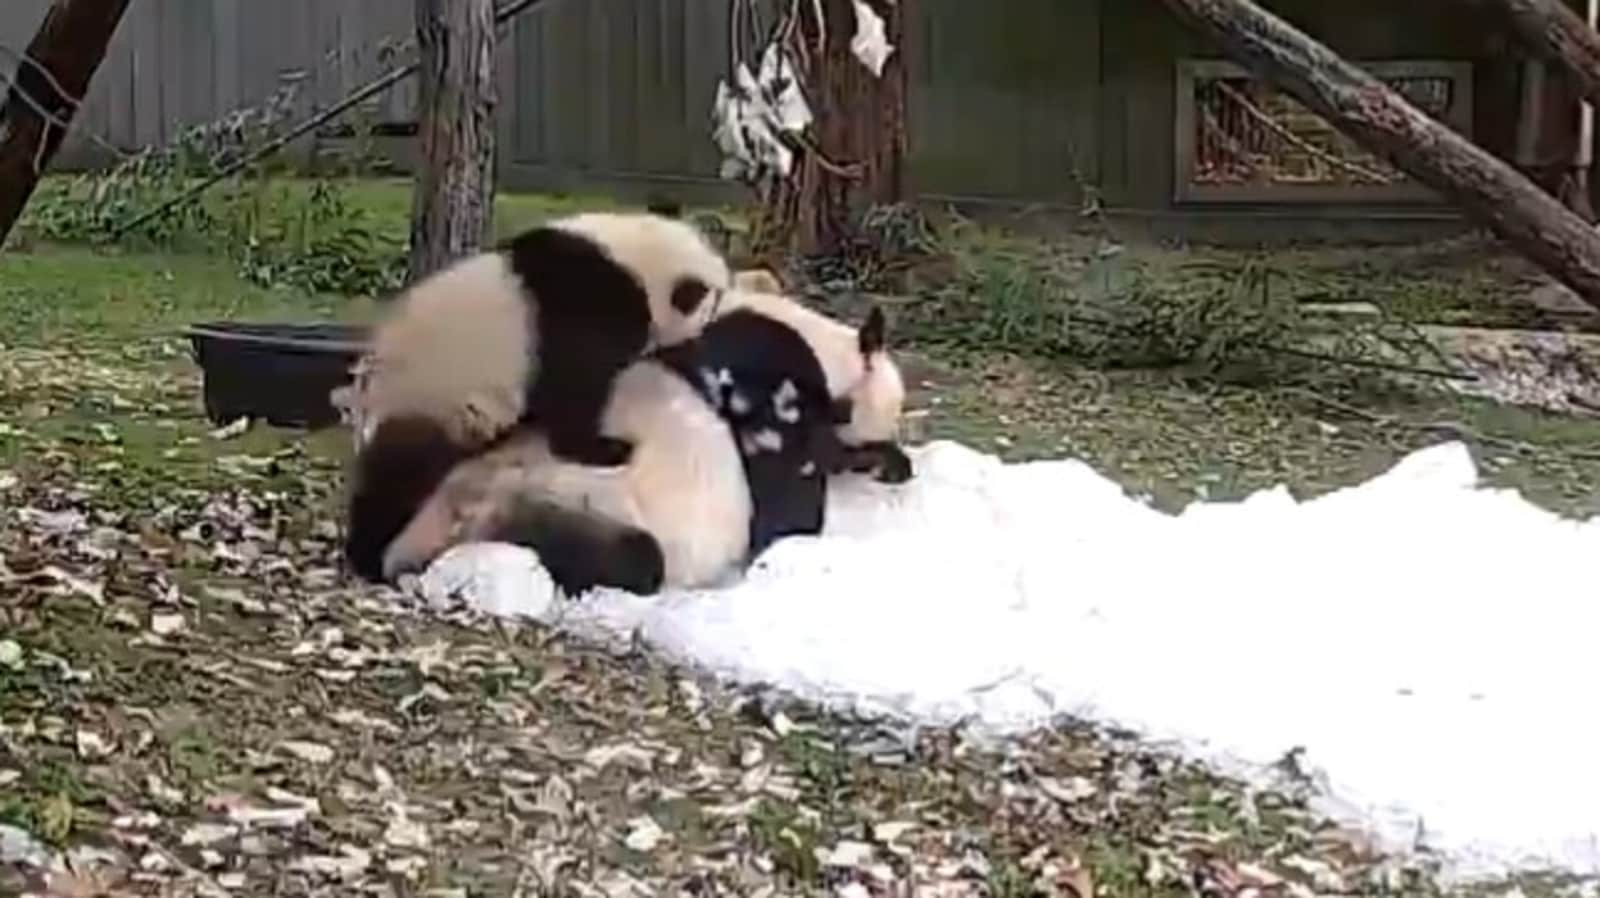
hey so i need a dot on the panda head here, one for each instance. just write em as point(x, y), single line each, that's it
point(682, 275)
point(876, 399)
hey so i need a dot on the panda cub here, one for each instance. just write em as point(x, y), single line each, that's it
point(534, 332)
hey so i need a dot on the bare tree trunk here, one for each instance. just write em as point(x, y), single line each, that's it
point(452, 208)
point(860, 132)
point(1487, 189)
point(60, 62)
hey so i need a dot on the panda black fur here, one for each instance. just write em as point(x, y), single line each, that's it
point(534, 331)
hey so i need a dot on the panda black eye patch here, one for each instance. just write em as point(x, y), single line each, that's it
point(688, 294)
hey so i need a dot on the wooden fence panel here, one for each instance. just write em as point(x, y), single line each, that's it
point(175, 64)
point(608, 91)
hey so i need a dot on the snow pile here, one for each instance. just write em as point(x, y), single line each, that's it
point(1430, 645)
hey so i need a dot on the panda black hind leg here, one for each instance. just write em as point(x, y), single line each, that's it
point(581, 550)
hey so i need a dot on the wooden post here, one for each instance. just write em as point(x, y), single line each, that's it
point(60, 62)
point(1491, 192)
point(452, 209)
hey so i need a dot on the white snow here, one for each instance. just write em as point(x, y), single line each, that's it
point(1431, 645)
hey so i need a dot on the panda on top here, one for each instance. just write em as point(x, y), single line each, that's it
point(732, 433)
point(534, 331)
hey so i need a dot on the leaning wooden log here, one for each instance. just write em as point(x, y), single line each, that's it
point(1556, 33)
point(1488, 190)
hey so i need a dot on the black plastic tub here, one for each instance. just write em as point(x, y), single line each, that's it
point(280, 373)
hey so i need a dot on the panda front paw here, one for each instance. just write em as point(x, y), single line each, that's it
point(886, 461)
point(894, 465)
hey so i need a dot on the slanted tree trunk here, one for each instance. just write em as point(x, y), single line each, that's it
point(60, 62)
point(453, 203)
point(1491, 192)
point(1559, 37)
point(1556, 33)
point(860, 132)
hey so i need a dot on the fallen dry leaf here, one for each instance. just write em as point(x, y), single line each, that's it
point(167, 624)
point(310, 752)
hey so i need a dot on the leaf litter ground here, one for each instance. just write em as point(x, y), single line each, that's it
point(193, 700)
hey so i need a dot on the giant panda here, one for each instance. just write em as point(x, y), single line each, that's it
point(677, 514)
point(735, 434)
point(533, 331)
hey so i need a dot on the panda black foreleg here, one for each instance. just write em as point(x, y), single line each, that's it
point(590, 319)
point(788, 500)
point(786, 463)
point(567, 402)
point(581, 550)
point(894, 465)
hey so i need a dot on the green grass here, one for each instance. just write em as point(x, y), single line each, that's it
point(337, 235)
point(382, 201)
point(388, 202)
point(1236, 315)
point(66, 297)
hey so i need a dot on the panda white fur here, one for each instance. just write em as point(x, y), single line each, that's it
point(735, 435)
point(533, 331)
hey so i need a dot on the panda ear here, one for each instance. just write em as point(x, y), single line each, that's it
point(872, 337)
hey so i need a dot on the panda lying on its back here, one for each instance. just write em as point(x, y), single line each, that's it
point(535, 331)
point(735, 435)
